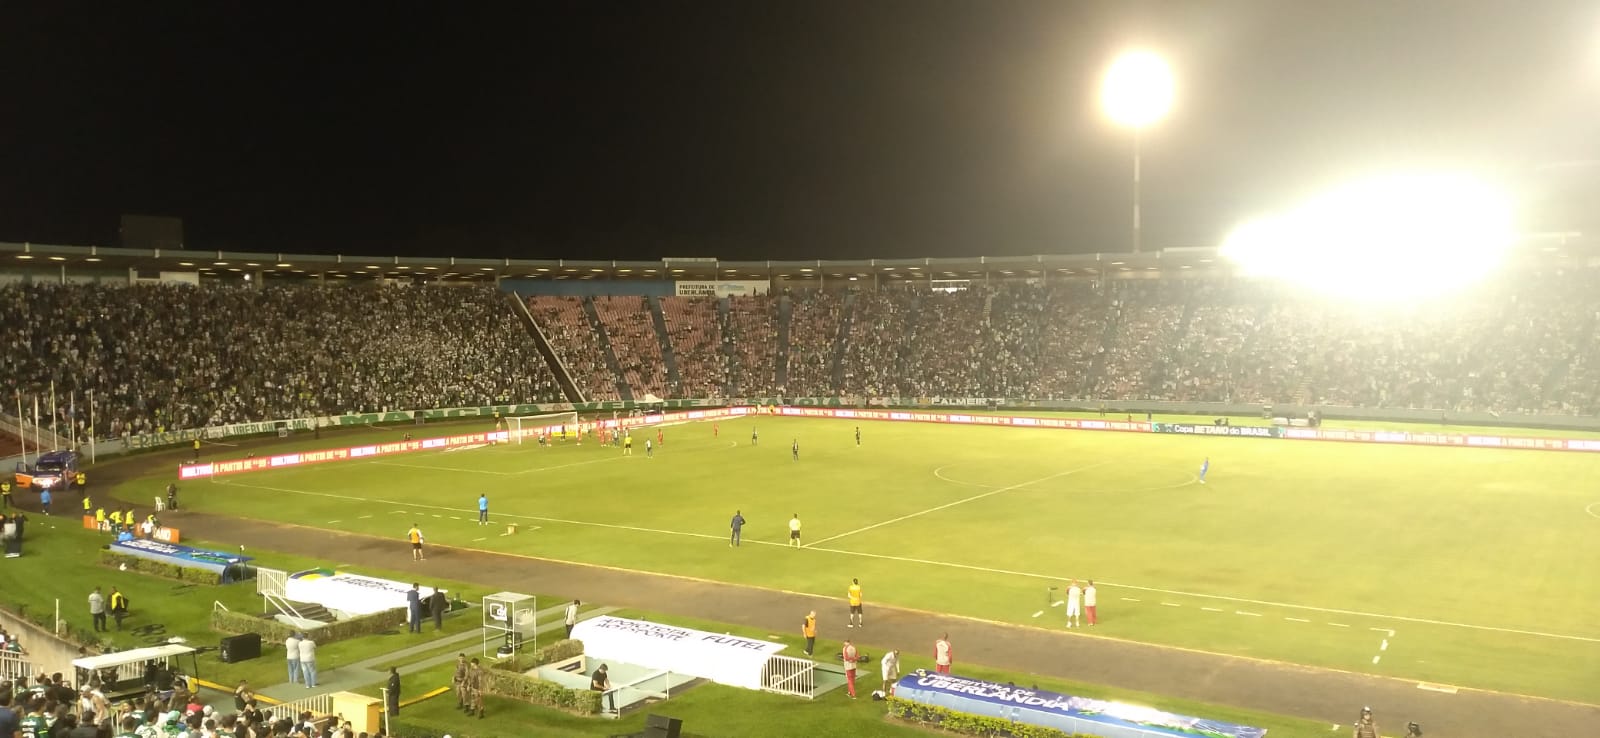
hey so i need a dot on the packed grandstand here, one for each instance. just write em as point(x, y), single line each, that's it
point(165, 357)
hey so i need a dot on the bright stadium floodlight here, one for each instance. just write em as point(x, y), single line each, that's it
point(1392, 238)
point(1137, 89)
point(1136, 93)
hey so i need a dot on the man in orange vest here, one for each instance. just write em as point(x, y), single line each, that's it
point(809, 630)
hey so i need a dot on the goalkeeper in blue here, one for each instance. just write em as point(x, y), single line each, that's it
point(1205, 466)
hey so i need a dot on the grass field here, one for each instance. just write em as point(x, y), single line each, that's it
point(61, 562)
point(1470, 567)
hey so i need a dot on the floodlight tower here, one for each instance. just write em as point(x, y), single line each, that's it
point(1137, 93)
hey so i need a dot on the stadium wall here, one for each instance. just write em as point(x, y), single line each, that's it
point(589, 287)
point(1201, 411)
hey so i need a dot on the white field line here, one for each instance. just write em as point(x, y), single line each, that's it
point(1223, 598)
point(1251, 614)
point(951, 565)
point(961, 501)
point(1298, 620)
point(433, 467)
point(1170, 604)
point(1037, 614)
point(939, 474)
point(1590, 508)
point(1211, 609)
point(612, 526)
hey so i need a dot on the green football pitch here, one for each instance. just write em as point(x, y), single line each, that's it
point(1456, 567)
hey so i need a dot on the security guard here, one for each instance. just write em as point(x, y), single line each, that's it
point(87, 505)
point(5, 494)
point(82, 480)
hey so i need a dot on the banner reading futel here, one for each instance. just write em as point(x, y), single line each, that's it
point(1073, 715)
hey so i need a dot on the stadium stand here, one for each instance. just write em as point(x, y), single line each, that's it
point(814, 325)
point(751, 340)
point(165, 357)
point(576, 344)
point(696, 336)
point(879, 332)
point(628, 327)
point(171, 357)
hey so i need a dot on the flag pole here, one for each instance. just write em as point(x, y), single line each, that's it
point(36, 445)
point(92, 436)
point(55, 419)
point(72, 419)
point(22, 429)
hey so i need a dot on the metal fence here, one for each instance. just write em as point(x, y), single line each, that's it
point(319, 705)
point(791, 676)
point(15, 668)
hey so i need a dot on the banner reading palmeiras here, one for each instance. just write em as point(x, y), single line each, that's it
point(1062, 712)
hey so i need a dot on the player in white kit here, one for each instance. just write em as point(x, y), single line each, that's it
point(1074, 604)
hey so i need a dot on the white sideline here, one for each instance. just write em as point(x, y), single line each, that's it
point(952, 565)
point(961, 501)
point(420, 506)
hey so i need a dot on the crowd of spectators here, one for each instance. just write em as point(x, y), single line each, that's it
point(945, 352)
point(697, 345)
point(567, 327)
point(168, 357)
point(48, 706)
point(631, 330)
point(880, 327)
point(814, 323)
point(175, 357)
point(750, 339)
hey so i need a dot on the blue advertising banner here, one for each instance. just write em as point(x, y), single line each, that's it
point(1062, 712)
point(186, 556)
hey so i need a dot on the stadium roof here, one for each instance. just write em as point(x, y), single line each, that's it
point(1546, 248)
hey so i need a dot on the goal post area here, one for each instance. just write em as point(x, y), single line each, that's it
point(533, 426)
point(571, 424)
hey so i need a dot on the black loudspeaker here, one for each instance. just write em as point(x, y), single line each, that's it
point(661, 726)
point(241, 648)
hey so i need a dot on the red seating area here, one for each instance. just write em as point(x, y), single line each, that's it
point(696, 337)
point(632, 332)
point(567, 327)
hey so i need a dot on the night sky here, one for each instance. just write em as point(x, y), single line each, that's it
point(763, 129)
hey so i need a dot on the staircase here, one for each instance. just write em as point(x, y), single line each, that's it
point(841, 340)
point(623, 390)
point(659, 318)
point(569, 388)
point(988, 308)
point(1302, 394)
point(780, 365)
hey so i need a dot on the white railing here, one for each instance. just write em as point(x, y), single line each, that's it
point(319, 705)
point(630, 694)
point(15, 668)
point(791, 676)
point(283, 607)
point(271, 582)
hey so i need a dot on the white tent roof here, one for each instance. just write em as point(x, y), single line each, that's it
point(134, 656)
